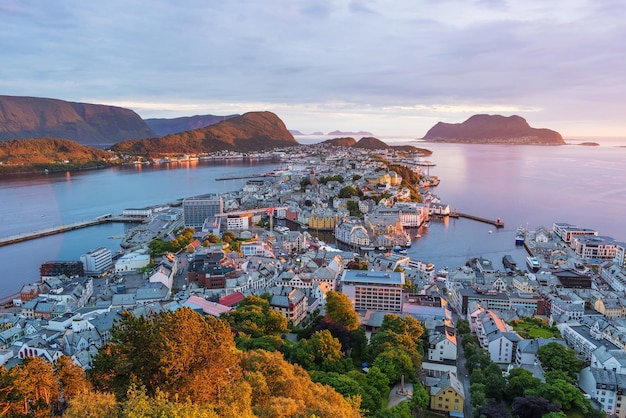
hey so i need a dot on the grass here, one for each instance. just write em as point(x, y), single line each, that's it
point(534, 328)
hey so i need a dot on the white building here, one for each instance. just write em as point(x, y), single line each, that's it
point(97, 262)
point(132, 262)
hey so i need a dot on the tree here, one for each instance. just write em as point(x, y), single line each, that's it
point(255, 317)
point(519, 381)
point(339, 308)
point(175, 352)
point(321, 351)
point(92, 405)
point(554, 356)
point(348, 191)
point(395, 362)
point(71, 378)
point(532, 407)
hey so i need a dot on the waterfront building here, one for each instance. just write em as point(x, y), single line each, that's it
point(594, 247)
point(61, 268)
point(567, 231)
point(97, 262)
point(373, 290)
point(197, 209)
point(323, 220)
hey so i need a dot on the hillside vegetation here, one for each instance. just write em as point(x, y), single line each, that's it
point(252, 131)
point(49, 153)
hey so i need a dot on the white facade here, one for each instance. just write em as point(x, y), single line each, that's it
point(132, 262)
point(97, 261)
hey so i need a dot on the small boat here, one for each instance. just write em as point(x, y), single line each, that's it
point(533, 263)
point(397, 249)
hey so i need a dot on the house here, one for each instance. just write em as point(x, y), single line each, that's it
point(290, 302)
point(447, 395)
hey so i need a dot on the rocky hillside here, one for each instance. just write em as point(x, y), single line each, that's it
point(23, 155)
point(340, 142)
point(493, 129)
point(188, 123)
point(88, 124)
point(370, 142)
point(251, 131)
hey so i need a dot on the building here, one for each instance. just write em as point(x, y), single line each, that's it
point(373, 290)
point(567, 232)
point(132, 262)
point(197, 209)
point(61, 268)
point(97, 262)
point(447, 395)
point(290, 302)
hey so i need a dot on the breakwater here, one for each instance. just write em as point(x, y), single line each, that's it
point(26, 236)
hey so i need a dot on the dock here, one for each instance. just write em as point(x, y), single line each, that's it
point(254, 176)
point(27, 236)
point(497, 222)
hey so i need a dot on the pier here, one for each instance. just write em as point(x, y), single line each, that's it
point(497, 223)
point(254, 176)
point(26, 236)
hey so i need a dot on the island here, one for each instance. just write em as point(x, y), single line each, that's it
point(493, 129)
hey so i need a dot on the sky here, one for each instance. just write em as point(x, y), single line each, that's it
point(390, 67)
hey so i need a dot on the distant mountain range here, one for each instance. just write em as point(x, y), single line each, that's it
point(495, 129)
point(88, 124)
point(333, 133)
point(188, 123)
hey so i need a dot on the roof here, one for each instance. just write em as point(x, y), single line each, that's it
point(207, 307)
point(374, 277)
point(232, 299)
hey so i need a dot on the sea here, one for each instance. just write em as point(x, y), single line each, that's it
point(523, 185)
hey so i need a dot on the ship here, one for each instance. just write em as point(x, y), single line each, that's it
point(519, 236)
point(533, 263)
point(508, 262)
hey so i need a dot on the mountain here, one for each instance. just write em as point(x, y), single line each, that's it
point(251, 131)
point(295, 132)
point(360, 133)
point(23, 155)
point(88, 124)
point(340, 142)
point(370, 143)
point(188, 123)
point(493, 129)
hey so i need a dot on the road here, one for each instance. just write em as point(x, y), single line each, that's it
point(463, 375)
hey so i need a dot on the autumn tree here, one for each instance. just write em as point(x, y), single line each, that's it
point(71, 378)
point(340, 309)
point(281, 389)
point(92, 405)
point(29, 389)
point(175, 352)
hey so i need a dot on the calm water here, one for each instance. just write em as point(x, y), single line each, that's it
point(36, 202)
point(524, 185)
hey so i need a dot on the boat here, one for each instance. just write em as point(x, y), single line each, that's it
point(508, 262)
point(533, 263)
point(396, 248)
point(520, 236)
point(364, 248)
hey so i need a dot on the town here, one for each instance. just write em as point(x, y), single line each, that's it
point(211, 252)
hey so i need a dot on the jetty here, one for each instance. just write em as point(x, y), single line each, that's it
point(497, 222)
point(254, 176)
point(26, 236)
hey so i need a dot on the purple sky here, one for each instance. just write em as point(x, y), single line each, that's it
point(392, 67)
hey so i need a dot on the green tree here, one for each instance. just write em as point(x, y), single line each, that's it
point(321, 351)
point(348, 191)
point(554, 356)
point(340, 309)
point(519, 381)
point(255, 317)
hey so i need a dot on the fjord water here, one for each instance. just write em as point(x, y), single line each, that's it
point(523, 185)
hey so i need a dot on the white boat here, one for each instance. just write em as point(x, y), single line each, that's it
point(533, 263)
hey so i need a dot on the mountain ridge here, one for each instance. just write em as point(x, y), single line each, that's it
point(23, 117)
